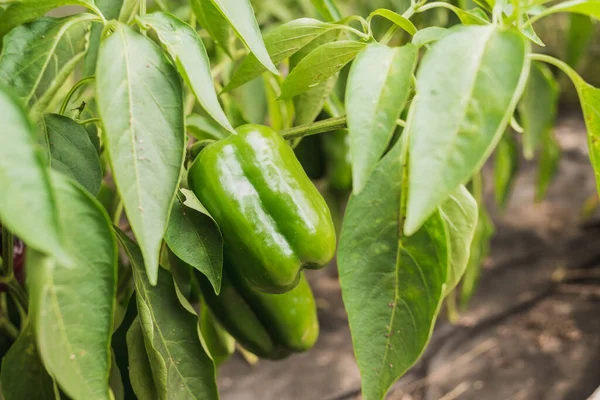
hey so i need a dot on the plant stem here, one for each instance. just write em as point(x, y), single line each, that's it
point(18, 294)
point(79, 84)
point(327, 125)
point(88, 121)
point(394, 28)
point(8, 327)
point(142, 8)
point(7, 253)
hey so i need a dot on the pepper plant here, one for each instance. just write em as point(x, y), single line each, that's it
point(155, 162)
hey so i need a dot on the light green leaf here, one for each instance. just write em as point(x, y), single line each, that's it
point(129, 11)
point(327, 9)
point(392, 286)
point(467, 17)
point(282, 42)
point(195, 238)
point(72, 151)
point(396, 18)
point(180, 366)
point(140, 372)
point(538, 107)
point(377, 89)
point(528, 31)
point(459, 214)
point(506, 166)
point(23, 374)
point(579, 36)
point(111, 10)
point(29, 206)
point(72, 307)
point(429, 35)
point(468, 86)
point(240, 15)
point(140, 102)
point(590, 8)
point(548, 162)
point(280, 111)
point(37, 58)
point(211, 19)
point(202, 128)
point(187, 50)
point(319, 65)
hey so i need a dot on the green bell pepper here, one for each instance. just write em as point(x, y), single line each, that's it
point(273, 220)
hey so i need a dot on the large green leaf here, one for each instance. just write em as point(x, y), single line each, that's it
point(23, 374)
point(180, 366)
point(537, 107)
point(459, 214)
point(392, 286)
point(28, 206)
point(72, 306)
point(140, 371)
point(319, 65)
point(467, 88)
point(377, 89)
point(188, 52)
point(72, 152)
point(195, 238)
point(281, 43)
point(140, 103)
point(211, 19)
point(111, 10)
point(38, 57)
point(19, 12)
point(240, 15)
point(506, 166)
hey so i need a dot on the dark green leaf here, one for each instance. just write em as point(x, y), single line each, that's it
point(506, 166)
point(180, 366)
point(125, 288)
point(195, 238)
point(140, 101)
point(140, 372)
point(377, 89)
point(429, 35)
point(111, 10)
point(23, 374)
point(219, 343)
point(72, 307)
point(396, 18)
point(548, 162)
point(72, 152)
point(38, 57)
point(467, 88)
point(319, 65)
point(115, 381)
point(579, 36)
point(211, 19)
point(392, 286)
point(537, 107)
point(188, 52)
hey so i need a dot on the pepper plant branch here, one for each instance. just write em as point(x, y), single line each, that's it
point(327, 125)
point(67, 99)
point(7, 253)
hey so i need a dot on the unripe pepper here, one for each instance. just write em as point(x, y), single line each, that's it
point(269, 325)
point(273, 220)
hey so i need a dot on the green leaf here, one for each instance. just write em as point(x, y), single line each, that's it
point(327, 9)
point(377, 89)
point(548, 162)
point(506, 166)
point(468, 85)
point(188, 52)
point(28, 206)
point(429, 35)
point(538, 107)
point(180, 366)
point(459, 214)
point(528, 31)
point(111, 10)
point(72, 151)
point(140, 102)
point(590, 8)
point(140, 371)
point(72, 307)
point(392, 286)
point(579, 36)
point(125, 289)
point(115, 381)
point(20, 12)
point(240, 15)
point(280, 111)
point(38, 57)
point(23, 374)
point(282, 42)
point(211, 19)
point(396, 18)
point(220, 344)
point(204, 128)
point(195, 238)
point(319, 65)
point(467, 17)
point(129, 11)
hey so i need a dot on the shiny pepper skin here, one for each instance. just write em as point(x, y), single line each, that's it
point(273, 220)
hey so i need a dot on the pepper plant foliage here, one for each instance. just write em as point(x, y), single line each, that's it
point(103, 112)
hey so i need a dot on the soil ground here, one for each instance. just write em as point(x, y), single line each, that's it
point(532, 330)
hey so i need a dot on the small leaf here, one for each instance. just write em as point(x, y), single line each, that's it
point(28, 206)
point(590, 8)
point(72, 307)
point(528, 31)
point(211, 19)
point(219, 343)
point(280, 111)
point(188, 52)
point(282, 42)
point(392, 286)
point(195, 238)
point(579, 36)
point(180, 366)
point(396, 18)
point(548, 162)
point(115, 381)
point(468, 85)
point(129, 11)
point(23, 374)
point(319, 65)
point(459, 214)
point(538, 107)
point(429, 35)
point(327, 9)
point(506, 166)
point(38, 57)
point(72, 152)
point(140, 102)
point(377, 89)
point(140, 372)
point(240, 15)
point(201, 128)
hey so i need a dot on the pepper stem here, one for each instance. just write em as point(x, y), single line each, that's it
point(326, 125)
